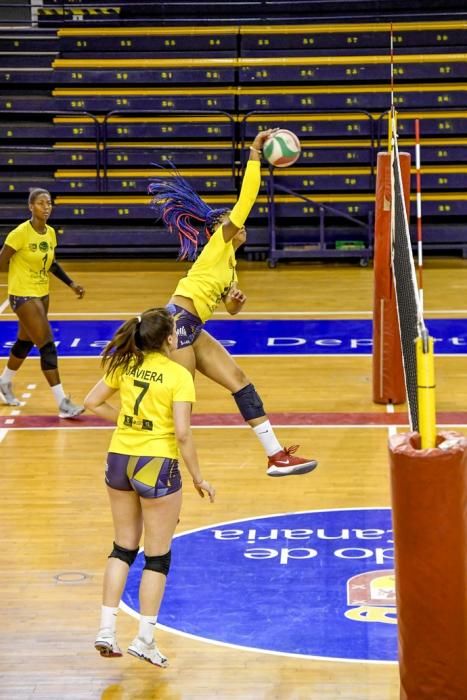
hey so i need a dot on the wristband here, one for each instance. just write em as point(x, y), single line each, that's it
point(60, 273)
point(256, 150)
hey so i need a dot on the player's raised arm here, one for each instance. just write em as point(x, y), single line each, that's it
point(250, 187)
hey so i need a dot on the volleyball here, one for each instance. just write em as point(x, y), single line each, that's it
point(282, 148)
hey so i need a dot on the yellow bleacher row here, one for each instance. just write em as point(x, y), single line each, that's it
point(264, 29)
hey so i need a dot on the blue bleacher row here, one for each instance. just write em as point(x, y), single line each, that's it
point(88, 112)
point(238, 101)
point(452, 69)
point(239, 41)
point(342, 191)
point(191, 126)
point(335, 180)
point(181, 12)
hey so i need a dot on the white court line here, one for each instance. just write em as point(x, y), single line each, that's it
point(100, 314)
point(217, 642)
point(98, 357)
point(3, 306)
point(392, 429)
point(240, 647)
point(289, 355)
point(233, 427)
point(3, 433)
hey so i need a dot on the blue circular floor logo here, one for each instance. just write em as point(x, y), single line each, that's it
point(314, 584)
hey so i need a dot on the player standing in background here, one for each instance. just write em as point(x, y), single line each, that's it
point(29, 255)
point(212, 279)
point(142, 473)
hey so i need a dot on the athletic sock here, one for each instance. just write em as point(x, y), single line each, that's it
point(147, 625)
point(108, 618)
point(266, 436)
point(58, 393)
point(7, 375)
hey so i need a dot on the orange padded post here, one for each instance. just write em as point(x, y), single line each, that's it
point(388, 370)
point(429, 503)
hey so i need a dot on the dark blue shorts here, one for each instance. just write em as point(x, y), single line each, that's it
point(150, 477)
point(188, 325)
point(16, 302)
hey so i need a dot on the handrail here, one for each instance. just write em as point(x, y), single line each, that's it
point(311, 112)
point(58, 113)
point(322, 208)
point(159, 113)
point(306, 198)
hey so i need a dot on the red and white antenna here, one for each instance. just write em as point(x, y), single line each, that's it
point(419, 211)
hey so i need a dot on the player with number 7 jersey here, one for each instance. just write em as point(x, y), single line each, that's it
point(142, 472)
point(145, 423)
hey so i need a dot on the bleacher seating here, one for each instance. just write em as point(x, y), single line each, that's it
point(89, 112)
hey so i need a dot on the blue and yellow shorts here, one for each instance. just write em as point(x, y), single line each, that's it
point(16, 302)
point(188, 326)
point(150, 477)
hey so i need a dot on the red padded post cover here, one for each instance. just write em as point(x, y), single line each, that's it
point(388, 371)
point(429, 505)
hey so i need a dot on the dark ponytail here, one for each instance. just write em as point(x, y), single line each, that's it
point(141, 334)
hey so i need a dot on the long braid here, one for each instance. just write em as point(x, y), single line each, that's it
point(183, 212)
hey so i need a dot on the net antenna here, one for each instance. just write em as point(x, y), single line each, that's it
point(417, 346)
point(419, 211)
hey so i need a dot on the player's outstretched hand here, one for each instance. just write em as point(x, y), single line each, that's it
point(204, 486)
point(261, 137)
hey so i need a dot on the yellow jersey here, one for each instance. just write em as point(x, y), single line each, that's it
point(28, 271)
point(211, 275)
point(145, 425)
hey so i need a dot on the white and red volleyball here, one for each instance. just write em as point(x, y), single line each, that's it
point(282, 148)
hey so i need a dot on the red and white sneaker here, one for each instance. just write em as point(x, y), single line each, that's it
point(283, 463)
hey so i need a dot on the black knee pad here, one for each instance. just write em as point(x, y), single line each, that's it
point(48, 353)
point(126, 555)
point(160, 563)
point(249, 403)
point(22, 348)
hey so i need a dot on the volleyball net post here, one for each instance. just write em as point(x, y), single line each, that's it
point(403, 359)
point(388, 370)
point(428, 473)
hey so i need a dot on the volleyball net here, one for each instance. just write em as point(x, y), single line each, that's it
point(410, 338)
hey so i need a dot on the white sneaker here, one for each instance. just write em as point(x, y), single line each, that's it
point(106, 643)
point(7, 396)
point(148, 652)
point(68, 409)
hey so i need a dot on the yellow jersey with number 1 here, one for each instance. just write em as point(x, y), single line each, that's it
point(145, 424)
point(28, 271)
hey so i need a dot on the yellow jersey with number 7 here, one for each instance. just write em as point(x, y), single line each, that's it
point(145, 424)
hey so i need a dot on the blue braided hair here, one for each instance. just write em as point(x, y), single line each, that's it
point(183, 212)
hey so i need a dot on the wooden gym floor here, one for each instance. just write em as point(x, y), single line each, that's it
point(55, 521)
